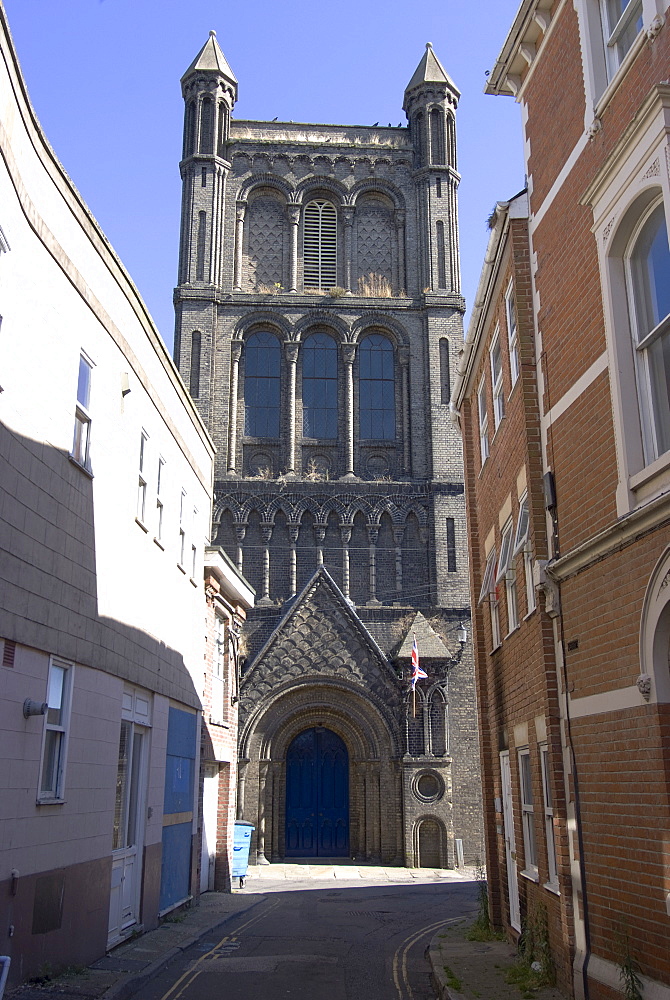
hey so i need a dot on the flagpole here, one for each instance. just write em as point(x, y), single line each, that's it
point(414, 701)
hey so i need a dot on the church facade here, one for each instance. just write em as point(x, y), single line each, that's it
point(319, 322)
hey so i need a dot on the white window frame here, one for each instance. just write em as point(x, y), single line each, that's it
point(527, 814)
point(488, 577)
point(494, 611)
point(497, 380)
point(182, 531)
point(522, 544)
point(141, 480)
point(159, 499)
point(512, 333)
point(552, 881)
point(641, 347)
point(506, 573)
point(482, 410)
point(612, 33)
point(61, 729)
point(81, 443)
point(218, 707)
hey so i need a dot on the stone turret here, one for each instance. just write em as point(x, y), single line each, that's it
point(430, 103)
point(209, 89)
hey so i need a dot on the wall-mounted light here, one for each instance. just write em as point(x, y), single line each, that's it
point(462, 634)
point(31, 707)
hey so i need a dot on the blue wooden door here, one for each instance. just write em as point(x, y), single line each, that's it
point(317, 796)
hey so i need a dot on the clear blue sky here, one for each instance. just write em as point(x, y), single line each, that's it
point(103, 76)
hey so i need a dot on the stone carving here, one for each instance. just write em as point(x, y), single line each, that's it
point(655, 26)
point(644, 686)
point(607, 230)
point(654, 170)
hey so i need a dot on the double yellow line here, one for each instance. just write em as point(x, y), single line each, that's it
point(187, 978)
point(400, 977)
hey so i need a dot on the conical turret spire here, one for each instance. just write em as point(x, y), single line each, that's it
point(210, 59)
point(430, 71)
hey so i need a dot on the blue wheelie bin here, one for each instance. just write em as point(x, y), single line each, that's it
point(241, 845)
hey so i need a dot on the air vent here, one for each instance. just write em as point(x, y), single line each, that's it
point(8, 653)
point(320, 245)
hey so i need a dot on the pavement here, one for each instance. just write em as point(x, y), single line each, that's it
point(476, 968)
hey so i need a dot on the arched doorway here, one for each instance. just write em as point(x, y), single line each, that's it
point(317, 795)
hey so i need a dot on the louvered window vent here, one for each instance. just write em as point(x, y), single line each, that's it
point(320, 245)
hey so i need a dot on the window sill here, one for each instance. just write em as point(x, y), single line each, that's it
point(529, 614)
point(516, 382)
point(160, 545)
point(181, 568)
point(552, 887)
point(83, 468)
point(50, 802)
point(532, 875)
point(192, 581)
point(495, 649)
point(497, 430)
point(621, 71)
point(219, 723)
point(142, 526)
point(512, 631)
point(661, 464)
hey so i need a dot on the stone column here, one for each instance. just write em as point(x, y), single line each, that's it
point(373, 533)
point(294, 222)
point(260, 832)
point(398, 535)
point(319, 534)
point(242, 766)
point(403, 358)
point(292, 360)
point(399, 219)
point(240, 209)
point(266, 534)
point(348, 356)
point(347, 213)
point(240, 531)
point(345, 533)
point(235, 353)
point(293, 530)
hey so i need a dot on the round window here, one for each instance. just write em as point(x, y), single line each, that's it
point(429, 786)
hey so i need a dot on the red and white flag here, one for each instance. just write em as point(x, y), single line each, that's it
point(417, 672)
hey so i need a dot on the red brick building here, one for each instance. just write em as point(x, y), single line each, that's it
point(564, 401)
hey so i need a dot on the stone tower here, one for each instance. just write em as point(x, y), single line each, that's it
point(318, 324)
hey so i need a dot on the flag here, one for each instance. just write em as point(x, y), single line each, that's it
point(417, 672)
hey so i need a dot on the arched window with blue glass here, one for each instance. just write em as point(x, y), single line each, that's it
point(319, 387)
point(262, 383)
point(376, 389)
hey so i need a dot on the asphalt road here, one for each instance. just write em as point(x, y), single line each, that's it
point(320, 942)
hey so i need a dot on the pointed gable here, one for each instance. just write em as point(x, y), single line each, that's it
point(210, 59)
point(320, 637)
point(430, 645)
point(430, 71)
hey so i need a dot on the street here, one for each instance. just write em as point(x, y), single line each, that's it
point(317, 941)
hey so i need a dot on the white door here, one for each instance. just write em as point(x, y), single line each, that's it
point(510, 848)
point(127, 833)
point(210, 809)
